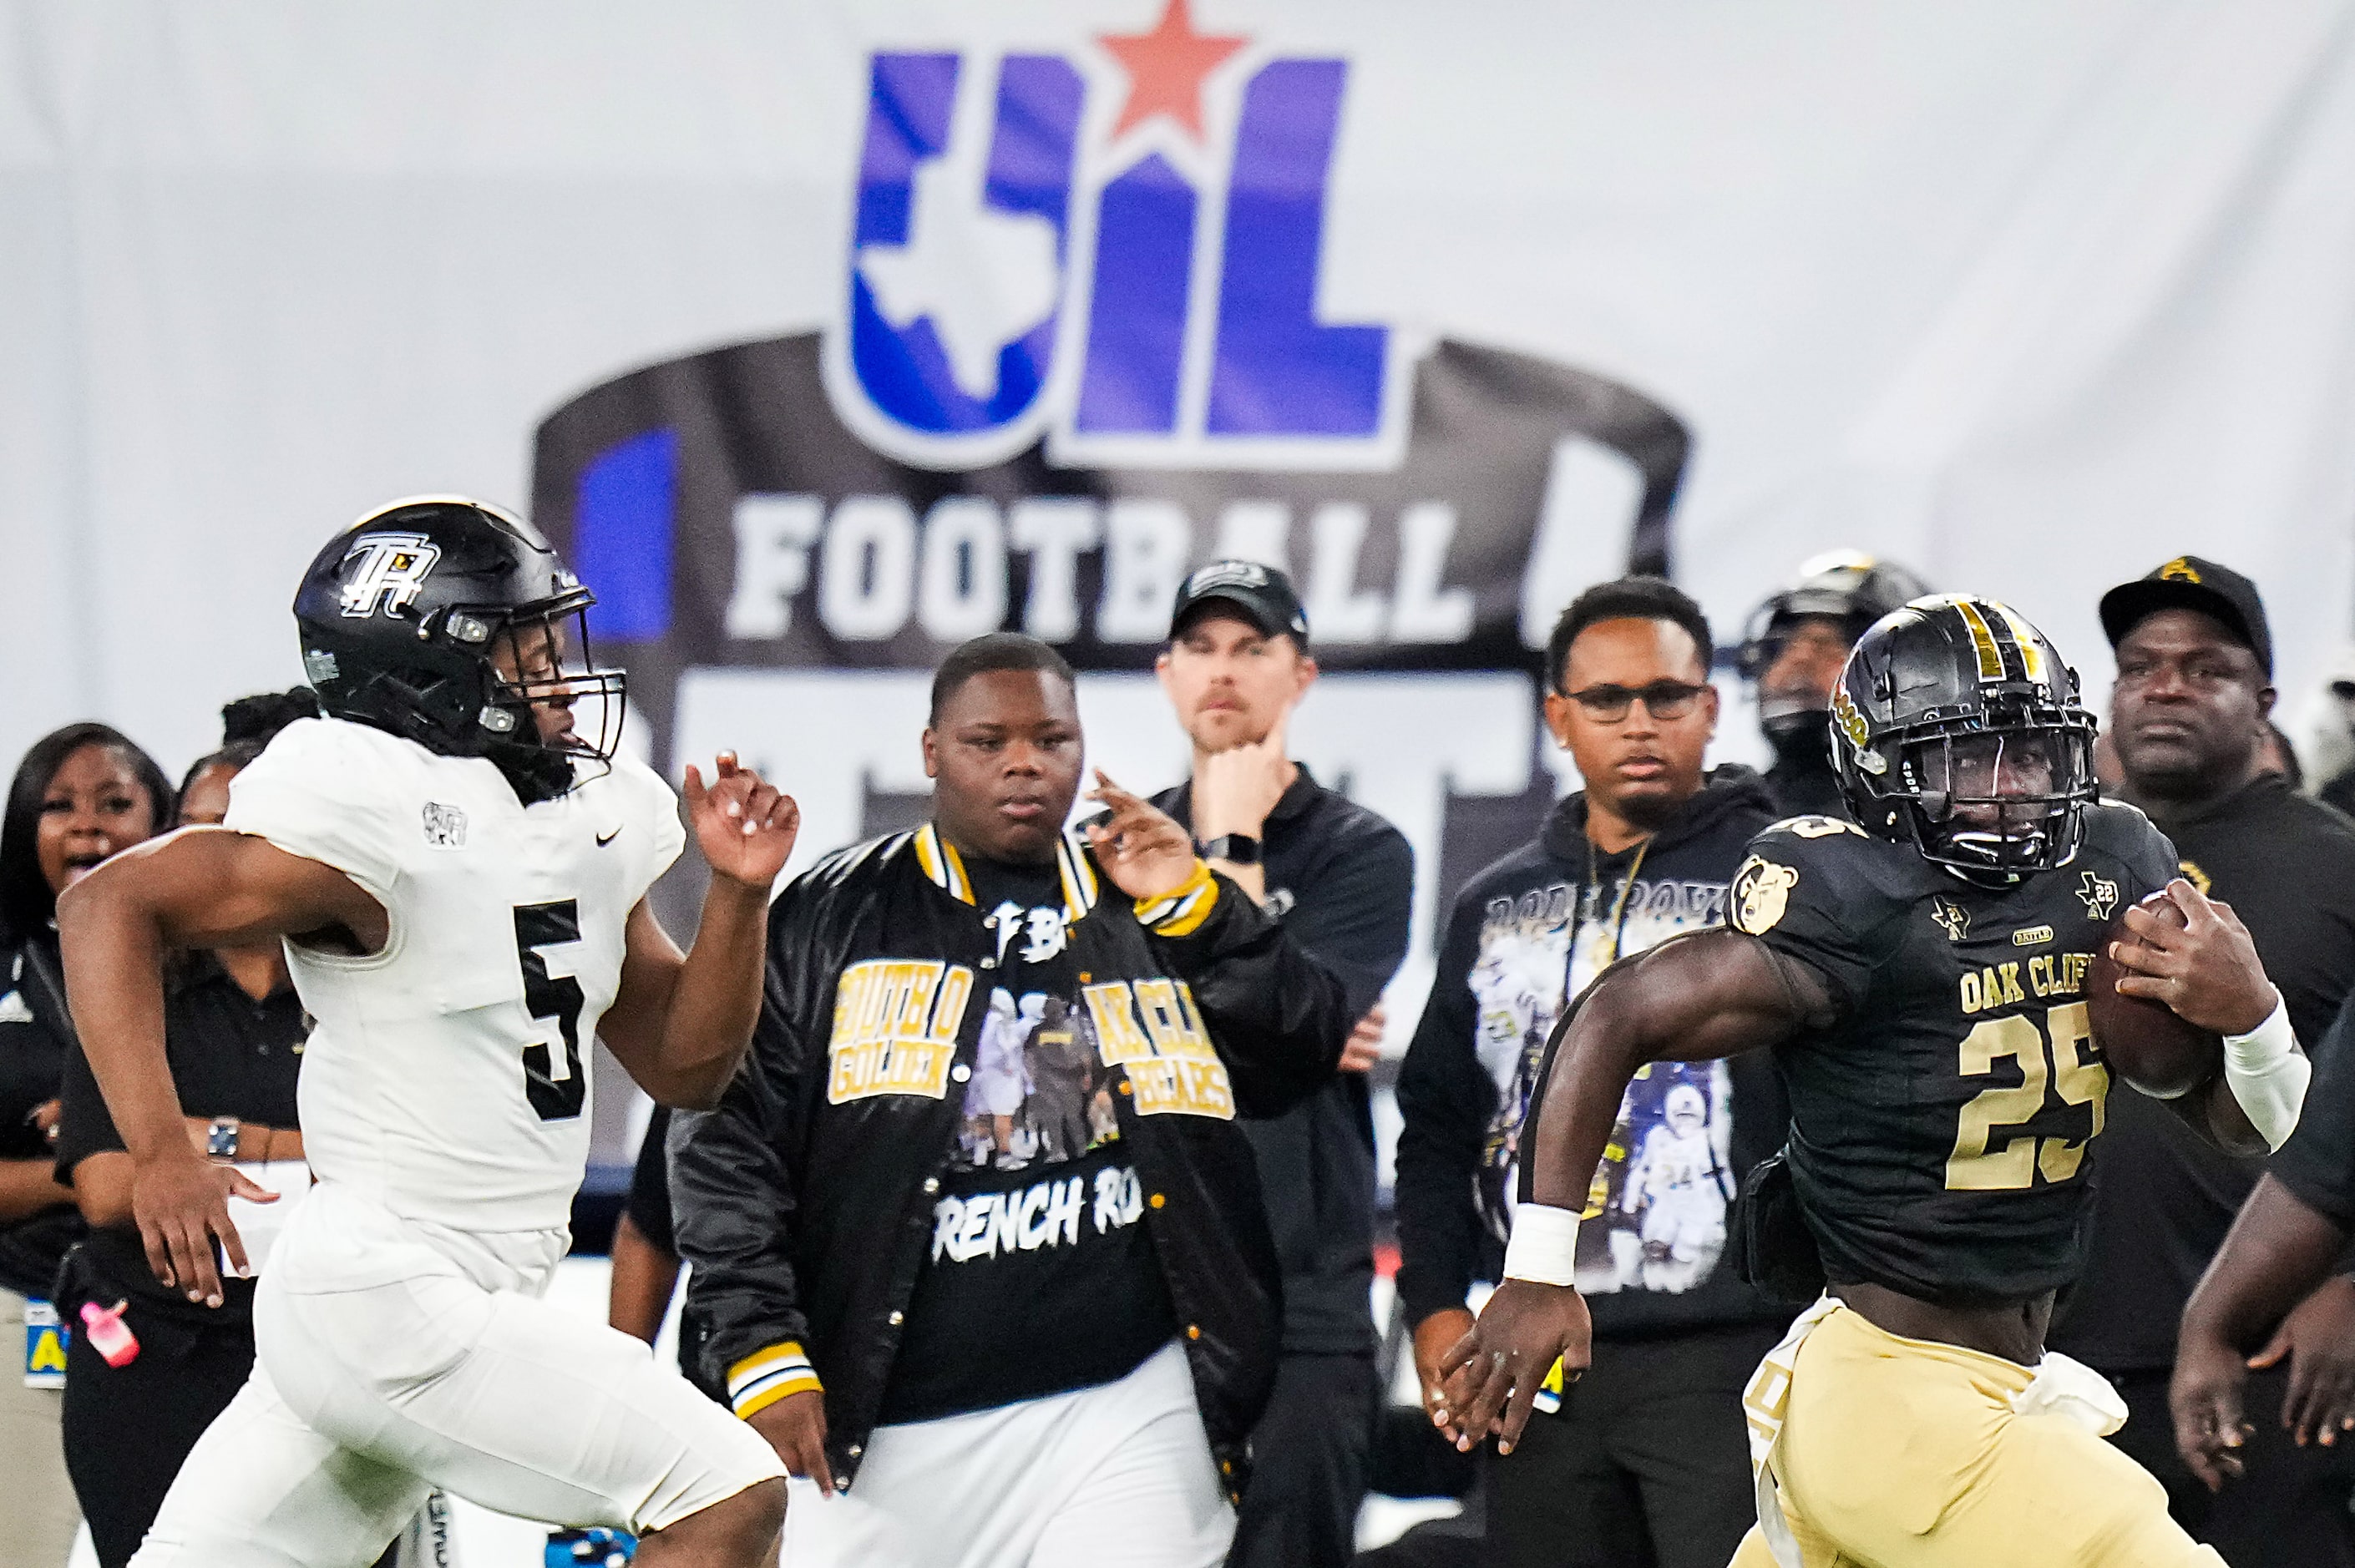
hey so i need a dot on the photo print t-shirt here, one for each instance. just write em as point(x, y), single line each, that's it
point(1041, 1279)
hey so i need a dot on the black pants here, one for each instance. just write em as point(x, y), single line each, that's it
point(1645, 1466)
point(127, 1429)
point(1308, 1465)
point(2290, 1505)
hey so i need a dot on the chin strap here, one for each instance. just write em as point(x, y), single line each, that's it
point(2267, 1074)
point(535, 773)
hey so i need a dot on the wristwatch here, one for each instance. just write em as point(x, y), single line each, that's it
point(1235, 849)
point(220, 1139)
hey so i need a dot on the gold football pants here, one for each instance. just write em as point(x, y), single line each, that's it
point(1905, 1454)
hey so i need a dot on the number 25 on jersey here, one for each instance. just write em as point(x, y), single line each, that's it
point(2068, 1066)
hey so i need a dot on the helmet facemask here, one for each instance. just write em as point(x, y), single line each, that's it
point(1997, 801)
point(547, 706)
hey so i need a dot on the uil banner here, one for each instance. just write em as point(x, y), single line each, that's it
point(1071, 366)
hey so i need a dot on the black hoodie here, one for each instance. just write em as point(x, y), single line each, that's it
point(1525, 935)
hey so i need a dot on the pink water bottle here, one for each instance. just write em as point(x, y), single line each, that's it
point(109, 1336)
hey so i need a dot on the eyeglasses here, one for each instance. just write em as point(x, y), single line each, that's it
point(1661, 699)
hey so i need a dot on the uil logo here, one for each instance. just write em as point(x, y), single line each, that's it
point(1117, 247)
point(2100, 895)
point(1952, 918)
point(393, 570)
point(1761, 890)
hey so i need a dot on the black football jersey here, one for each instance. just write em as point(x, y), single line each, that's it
point(1942, 1127)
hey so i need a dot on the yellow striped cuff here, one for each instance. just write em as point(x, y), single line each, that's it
point(764, 1377)
point(1180, 913)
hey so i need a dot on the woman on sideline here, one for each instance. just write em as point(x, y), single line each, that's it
point(81, 793)
point(233, 1034)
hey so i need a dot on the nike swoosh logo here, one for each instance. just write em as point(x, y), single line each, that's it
point(604, 839)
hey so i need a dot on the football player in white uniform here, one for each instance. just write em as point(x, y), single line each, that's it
point(460, 878)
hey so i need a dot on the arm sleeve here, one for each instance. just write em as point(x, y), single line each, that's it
point(1277, 1018)
point(1805, 889)
point(733, 1202)
point(1354, 920)
point(1445, 1099)
point(312, 794)
point(2318, 1163)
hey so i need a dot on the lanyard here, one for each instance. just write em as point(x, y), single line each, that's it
point(1618, 915)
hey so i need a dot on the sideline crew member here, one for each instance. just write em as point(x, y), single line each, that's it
point(2189, 719)
point(975, 1243)
point(80, 794)
point(1646, 1460)
point(1798, 642)
point(1342, 881)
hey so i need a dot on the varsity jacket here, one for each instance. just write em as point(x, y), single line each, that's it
point(804, 1201)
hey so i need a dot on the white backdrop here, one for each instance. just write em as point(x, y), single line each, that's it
point(2030, 297)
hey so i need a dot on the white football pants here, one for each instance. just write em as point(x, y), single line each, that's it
point(394, 1356)
point(1116, 1476)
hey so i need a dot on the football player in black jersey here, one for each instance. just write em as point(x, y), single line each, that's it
point(1922, 977)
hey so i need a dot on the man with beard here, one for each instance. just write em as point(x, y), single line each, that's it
point(1645, 1461)
point(1340, 879)
point(2189, 719)
point(1009, 1361)
point(1798, 642)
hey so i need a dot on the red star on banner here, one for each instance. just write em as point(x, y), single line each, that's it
point(1166, 68)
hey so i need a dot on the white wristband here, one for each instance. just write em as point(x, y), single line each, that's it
point(2267, 1074)
point(1544, 1248)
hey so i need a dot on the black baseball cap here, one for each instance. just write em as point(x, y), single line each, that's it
point(2188, 582)
point(1262, 593)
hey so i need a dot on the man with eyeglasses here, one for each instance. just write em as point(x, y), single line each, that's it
point(2189, 718)
point(1646, 1460)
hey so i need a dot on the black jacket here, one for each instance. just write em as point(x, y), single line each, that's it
point(803, 1203)
point(1341, 880)
point(1524, 937)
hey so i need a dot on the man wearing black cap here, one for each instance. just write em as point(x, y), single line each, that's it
point(1797, 641)
point(1340, 879)
point(2188, 717)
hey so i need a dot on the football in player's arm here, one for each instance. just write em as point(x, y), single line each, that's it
point(679, 1023)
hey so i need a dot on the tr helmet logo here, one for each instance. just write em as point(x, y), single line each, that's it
point(393, 570)
point(1118, 248)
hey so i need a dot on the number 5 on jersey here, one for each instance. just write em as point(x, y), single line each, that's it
point(556, 1090)
point(2073, 1072)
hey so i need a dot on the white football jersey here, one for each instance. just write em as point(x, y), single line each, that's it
point(448, 1076)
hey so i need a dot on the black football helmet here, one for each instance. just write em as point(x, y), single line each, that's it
point(1956, 728)
point(444, 620)
point(1848, 585)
